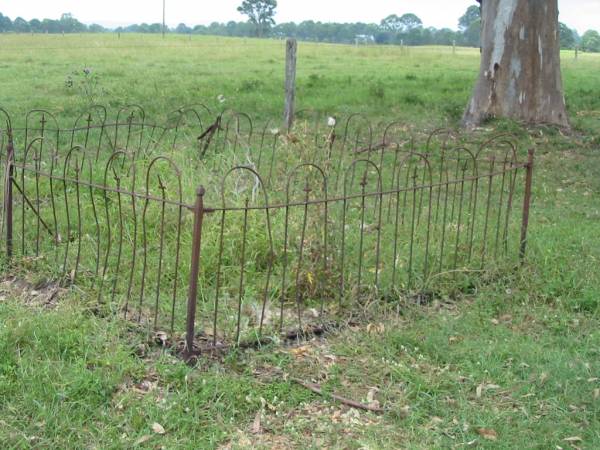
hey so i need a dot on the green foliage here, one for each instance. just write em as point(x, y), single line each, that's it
point(261, 13)
point(402, 24)
point(471, 16)
point(567, 37)
point(590, 41)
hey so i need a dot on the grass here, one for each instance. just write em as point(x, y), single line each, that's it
point(512, 363)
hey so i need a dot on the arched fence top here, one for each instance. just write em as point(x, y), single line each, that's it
point(256, 185)
point(7, 121)
point(496, 142)
point(131, 111)
point(351, 172)
point(407, 163)
point(196, 110)
point(45, 116)
point(75, 160)
point(173, 168)
point(302, 168)
point(89, 116)
point(116, 168)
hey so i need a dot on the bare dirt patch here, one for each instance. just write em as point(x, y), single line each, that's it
point(40, 295)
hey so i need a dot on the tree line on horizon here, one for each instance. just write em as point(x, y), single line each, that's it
point(407, 29)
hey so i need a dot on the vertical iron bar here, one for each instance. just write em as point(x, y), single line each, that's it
point(242, 267)
point(412, 228)
point(526, 204)
point(9, 197)
point(194, 271)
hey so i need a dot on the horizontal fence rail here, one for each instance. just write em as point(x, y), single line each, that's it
point(220, 232)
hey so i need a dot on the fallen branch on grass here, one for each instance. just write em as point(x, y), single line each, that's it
point(353, 404)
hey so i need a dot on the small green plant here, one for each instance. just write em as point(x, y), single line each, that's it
point(86, 83)
point(377, 90)
point(250, 85)
point(314, 80)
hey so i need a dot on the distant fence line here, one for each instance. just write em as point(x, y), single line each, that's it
point(262, 232)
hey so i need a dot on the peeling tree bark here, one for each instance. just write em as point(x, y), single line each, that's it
point(520, 75)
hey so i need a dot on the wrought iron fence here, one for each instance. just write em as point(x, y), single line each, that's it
point(300, 231)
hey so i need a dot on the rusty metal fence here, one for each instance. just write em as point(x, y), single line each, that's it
point(218, 234)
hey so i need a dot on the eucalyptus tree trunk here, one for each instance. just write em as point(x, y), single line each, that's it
point(520, 75)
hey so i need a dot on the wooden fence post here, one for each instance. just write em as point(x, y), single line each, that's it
point(291, 47)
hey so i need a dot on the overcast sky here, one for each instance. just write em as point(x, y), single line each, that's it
point(579, 14)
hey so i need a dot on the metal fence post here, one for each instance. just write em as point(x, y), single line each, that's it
point(526, 204)
point(194, 271)
point(8, 195)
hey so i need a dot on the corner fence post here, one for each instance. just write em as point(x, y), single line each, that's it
point(8, 195)
point(194, 271)
point(526, 204)
point(291, 47)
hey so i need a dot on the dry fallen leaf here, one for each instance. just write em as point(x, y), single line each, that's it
point(596, 394)
point(436, 420)
point(299, 352)
point(454, 339)
point(374, 328)
point(161, 338)
point(256, 425)
point(479, 390)
point(488, 434)
point(158, 428)
point(573, 439)
point(485, 387)
point(405, 411)
point(371, 394)
point(142, 440)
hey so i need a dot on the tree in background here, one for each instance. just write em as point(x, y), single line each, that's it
point(567, 37)
point(403, 24)
point(470, 26)
point(20, 25)
point(391, 24)
point(261, 13)
point(5, 24)
point(520, 76)
point(182, 28)
point(393, 30)
point(472, 15)
point(590, 41)
point(68, 24)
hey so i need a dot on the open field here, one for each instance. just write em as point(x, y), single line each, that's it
point(509, 361)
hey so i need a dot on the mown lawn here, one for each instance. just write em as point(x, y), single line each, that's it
point(514, 362)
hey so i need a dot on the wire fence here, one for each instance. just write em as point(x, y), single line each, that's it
point(218, 232)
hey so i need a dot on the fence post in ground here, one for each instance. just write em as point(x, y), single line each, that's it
point(194, 271)
point(291, 47)
point(526, 204)
point(8, 195)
